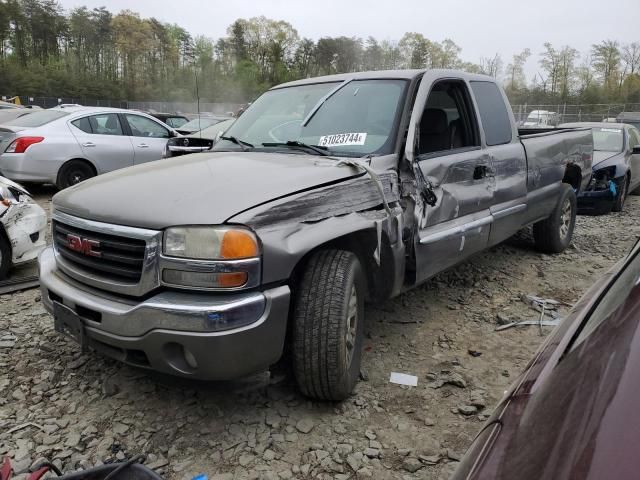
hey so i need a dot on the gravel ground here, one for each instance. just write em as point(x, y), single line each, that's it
point(81, 410)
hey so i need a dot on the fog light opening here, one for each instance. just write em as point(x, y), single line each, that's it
point(180, 358)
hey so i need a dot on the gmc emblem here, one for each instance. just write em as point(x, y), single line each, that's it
point(84, 246)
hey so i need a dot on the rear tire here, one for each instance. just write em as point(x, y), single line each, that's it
point(5, 257)
point(618, 205)
point(553, 234)
point(328, 325)
point(74, 172)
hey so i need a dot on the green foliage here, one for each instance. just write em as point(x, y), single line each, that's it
point(95, 54)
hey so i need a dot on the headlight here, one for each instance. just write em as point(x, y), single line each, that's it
point(210, 243)
point(211, 258)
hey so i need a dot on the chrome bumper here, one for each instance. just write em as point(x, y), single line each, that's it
point(178, 333)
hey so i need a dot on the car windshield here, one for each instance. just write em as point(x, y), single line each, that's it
point(607, 139)
point(37, 119)
point(357, 119)
point(199, 123)
point(212, 131)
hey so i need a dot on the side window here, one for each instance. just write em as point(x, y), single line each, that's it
point(144, 127)
point(83, 124)
point(105, 124)
point(448, 122)
point(493, 113)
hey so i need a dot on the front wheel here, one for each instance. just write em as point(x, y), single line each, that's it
point(622, 195)
point(328, 325)
point(553, 234)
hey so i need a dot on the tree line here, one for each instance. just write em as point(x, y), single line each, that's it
point(97, 54)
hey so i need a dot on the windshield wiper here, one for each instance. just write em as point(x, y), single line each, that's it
point(296, 144)
point(243, 145)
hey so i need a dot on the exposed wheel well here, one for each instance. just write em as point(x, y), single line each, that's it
point(573, 176)
point(363, 243)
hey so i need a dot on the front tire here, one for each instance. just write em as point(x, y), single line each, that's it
point(328, 325)
point(553, 234)
point(74, 172)
point(622, 195)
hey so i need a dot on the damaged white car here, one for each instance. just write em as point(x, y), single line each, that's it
point(22, 226)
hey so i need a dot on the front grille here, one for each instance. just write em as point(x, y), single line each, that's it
point(121, 258)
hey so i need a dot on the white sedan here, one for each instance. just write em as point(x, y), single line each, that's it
point(65, 146)
point(22, 226)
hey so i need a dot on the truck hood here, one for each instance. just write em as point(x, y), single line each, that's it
point(199, 189)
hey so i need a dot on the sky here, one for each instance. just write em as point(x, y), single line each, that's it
point(481, 28)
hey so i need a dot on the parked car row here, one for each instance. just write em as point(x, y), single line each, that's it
point(69, 144)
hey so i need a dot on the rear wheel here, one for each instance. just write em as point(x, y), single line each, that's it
point(74, 172)
point(622, 195)
point(328, 325)
point(5, 257)
point(553, 234)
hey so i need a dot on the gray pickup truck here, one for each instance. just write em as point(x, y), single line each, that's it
point(325, 193)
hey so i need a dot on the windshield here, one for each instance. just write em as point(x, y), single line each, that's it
point(357, 120)
point(199, 123)
point(607, 139)
point(212, 131)
point(37, 119)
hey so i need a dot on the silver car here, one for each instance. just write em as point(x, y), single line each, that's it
point(65, 146)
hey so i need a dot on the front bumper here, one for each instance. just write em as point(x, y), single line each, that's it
point(596, 201)
point(599, 201)
point(25, 224)
point(170, 331)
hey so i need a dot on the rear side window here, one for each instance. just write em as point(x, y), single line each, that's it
point(37, 119)
point(493, 113)
point(83, 124)
point(106, 124)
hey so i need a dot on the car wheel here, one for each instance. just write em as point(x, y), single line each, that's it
point(553, 234)
point(328, 325)
point(622, 195)
point(74, 172)
point(5, 257)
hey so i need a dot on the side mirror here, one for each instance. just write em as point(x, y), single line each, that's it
point(636, 150)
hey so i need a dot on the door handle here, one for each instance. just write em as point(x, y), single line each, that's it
point(143, 145)
point(88, 144)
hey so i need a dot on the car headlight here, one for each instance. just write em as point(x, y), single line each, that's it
point(211, 257)
point(210, 243)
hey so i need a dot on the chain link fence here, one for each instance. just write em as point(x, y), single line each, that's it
point(166, 107)
point(564, 113)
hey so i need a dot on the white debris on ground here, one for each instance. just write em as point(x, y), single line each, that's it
point(79, 410)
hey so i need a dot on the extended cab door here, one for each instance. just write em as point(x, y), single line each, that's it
point(455, 175)
point(103, 141)
point(149, 138)
point(507, 156)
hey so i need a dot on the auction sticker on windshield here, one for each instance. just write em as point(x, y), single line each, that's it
point(342, 139)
